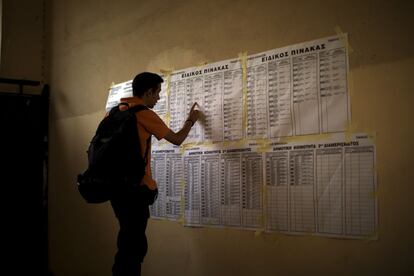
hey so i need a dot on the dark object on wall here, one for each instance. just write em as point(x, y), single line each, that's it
point(24, 156)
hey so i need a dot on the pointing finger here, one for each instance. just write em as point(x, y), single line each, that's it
point(194, 105)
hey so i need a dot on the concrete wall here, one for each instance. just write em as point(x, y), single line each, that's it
point(94, 43)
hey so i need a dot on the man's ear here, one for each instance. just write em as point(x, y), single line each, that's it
point(148, 92)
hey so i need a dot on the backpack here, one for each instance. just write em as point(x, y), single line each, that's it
point(115, 163)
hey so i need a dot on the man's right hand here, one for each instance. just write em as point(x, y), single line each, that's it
point(194, 114)
point(179, 137)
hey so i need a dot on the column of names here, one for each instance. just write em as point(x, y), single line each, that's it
point(301, 197)
point(210, 188)
point(252, 183)
point(192, 200)
point(277, 170)
point(329, 190)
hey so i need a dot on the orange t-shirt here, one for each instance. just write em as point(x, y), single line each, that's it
point(149, 123)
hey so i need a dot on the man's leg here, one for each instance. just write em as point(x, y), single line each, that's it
point(131, 242)
point(132, 248)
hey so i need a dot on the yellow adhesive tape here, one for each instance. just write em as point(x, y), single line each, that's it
point(263, 145)
point(243, 60)
point(349, 131)
point(235, 144)
point(166, 71)
point(182, 150)
point(202, 63)
point(374, 194)
point(372, 136)
point(190, 145)
point(181, 220)
point(182, 202)
point(264, 203)
point(344, 38)
point(258, 233)
point(264, 148)
point(209, 145)
point(167, 118)
point(370, 238)
point(260, 220)
point(168, 82)
point(351, 83)
point(305, 138)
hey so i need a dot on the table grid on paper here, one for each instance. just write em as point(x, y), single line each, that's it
point(252, 183)
point(158, 166)
point(192, 190)
point(213, 107)
point(230, 189)
point(257, 102)
point(305, 94)
point(360, 213)
point(175, 176)
point(329, 190)
point(210, 190)
point(333, 90)
point(301, 197)
point(279, 89)
point(233, 105)
point(277, 191)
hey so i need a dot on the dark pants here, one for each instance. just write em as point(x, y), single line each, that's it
point(132, 213)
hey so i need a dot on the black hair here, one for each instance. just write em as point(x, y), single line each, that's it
point(144, 81)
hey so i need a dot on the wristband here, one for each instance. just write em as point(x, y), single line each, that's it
point(192, 123)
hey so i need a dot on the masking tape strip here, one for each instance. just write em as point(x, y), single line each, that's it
point(264, 193)
point(243, 60)
point(371, 237)
point(181, 219)
point(264, 199)
point(263, 145)
point(187, 146)
point(348, 133)
point(167, 71)
point(264, 148)
point(201, 63)
point(305, 138)
point(235, 144)
point(350, 83)
point(182, 150)
point(350, 78)
point(208, 144)
point(344, 38)
point(167, 118)
point(258, 233)
point(167, 78)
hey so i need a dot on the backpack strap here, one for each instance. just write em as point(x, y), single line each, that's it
point(136, 109)
point(146, 150)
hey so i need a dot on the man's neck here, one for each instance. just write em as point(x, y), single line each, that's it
point(143, 98)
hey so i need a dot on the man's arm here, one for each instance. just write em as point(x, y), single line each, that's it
point(177, 138)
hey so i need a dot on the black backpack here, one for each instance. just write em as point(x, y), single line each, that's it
point(115, 163)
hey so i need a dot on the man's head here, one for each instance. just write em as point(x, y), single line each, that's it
point(147, 86)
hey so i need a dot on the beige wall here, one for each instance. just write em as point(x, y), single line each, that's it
point(94, 43)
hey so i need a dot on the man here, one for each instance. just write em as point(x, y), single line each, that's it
point(131, 211)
